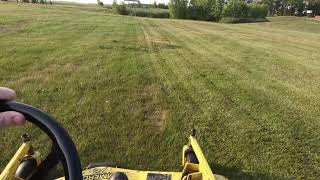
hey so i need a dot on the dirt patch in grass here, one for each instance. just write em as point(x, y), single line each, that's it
point(317, 18)
point(153, 114)
point(157, 119)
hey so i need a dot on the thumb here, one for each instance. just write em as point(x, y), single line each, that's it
point(10, 118)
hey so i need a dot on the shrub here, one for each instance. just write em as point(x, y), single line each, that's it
point(178, 8)
point(121, 9)
point(34, 1)
point(201, 9)
point(218, 9)
point(100, 3)
point(114, 4)
point(41, 2)
point(162, 6)
point(236, 9)
point(209, 10)
point(257, 10)
point(150, 12)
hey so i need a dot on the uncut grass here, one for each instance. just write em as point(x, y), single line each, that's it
point(250, 89)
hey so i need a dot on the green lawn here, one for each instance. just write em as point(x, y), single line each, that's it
point(129, 90)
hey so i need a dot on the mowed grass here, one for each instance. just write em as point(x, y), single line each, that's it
point(129, 90)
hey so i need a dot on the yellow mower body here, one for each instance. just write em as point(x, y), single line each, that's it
point(195, 167)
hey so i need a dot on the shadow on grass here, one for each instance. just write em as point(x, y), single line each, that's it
point(233, 20)
point(235, 173)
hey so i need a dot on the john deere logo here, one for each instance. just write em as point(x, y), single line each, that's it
point(97, 174)
point(153, 176)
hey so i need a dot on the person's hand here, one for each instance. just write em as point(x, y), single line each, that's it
point(10, 118)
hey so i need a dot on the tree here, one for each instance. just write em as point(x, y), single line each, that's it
point(257, 10)
point(120, 9)
point(314, 5)
point(296, 5)
point(270, 4)
point(236, 9)
point(114, 4)
point(178, 9)
point(209, 10)
point(162, 6)
point(202, 9)
point(218, 9)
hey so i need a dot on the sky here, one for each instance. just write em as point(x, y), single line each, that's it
point(119, 1)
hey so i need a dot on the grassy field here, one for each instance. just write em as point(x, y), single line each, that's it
point(129, 90)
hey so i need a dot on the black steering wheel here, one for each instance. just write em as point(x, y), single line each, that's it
point(63, 148)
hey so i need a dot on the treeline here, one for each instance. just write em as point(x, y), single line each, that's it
point(142, 10)
point(292, 7)
point(33, 1)
point(216, 10)
point(239, 10)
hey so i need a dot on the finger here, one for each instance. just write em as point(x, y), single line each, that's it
point(11, 118)
point(7, 94)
